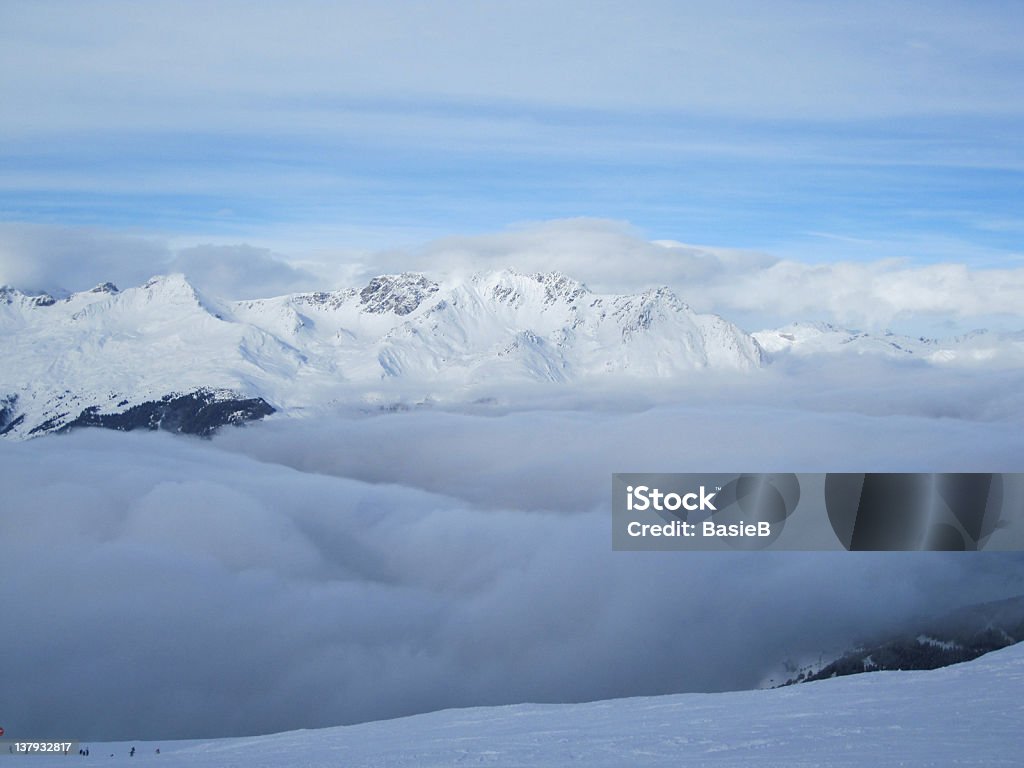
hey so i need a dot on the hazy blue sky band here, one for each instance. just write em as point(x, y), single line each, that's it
point(800, 129)
point(737, 185)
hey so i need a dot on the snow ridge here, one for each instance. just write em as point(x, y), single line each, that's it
point(400, 338)
point(968, 714)
point(815, 339)
point(106, 350)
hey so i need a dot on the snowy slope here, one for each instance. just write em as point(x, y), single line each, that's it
point(968, 714)
point(179, 357)
point(112, 350)
point(961, 635)
point(810, 339)
point(108, 351)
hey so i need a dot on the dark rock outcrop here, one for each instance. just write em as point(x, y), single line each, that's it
point(9, 417)
point(201, 412)
point(960, 636)
point(400, 294)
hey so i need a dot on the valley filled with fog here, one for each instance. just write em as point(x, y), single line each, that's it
point(417, 515)
point(303, 572)
point(324, 327)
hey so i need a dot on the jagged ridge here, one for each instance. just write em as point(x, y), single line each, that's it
point(89, 358)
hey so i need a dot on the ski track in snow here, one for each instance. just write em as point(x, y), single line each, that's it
point(967, 714)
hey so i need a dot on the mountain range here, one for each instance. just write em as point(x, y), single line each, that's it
point(166, 355)
point(977, 347)
point(956, 637)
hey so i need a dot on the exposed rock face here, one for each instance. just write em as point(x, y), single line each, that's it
point(148, 356)
point(10, 419)
point(197, 413)
point(400, 294)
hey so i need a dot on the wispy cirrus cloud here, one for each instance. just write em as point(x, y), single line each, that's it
point(731, 124)
point(733, 58)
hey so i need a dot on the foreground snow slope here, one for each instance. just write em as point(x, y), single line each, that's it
point(968, 714)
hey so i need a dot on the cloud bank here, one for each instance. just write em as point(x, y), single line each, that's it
point(729, 123)
point(755, 290)
point(240, 271)
point(57, 259)
point(299, 575)
point(732, 58)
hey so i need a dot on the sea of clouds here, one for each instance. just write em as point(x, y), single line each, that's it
point(358, 565)
point(310, 572)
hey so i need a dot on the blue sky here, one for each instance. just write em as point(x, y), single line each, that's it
point(740, 183)
point(819, 132)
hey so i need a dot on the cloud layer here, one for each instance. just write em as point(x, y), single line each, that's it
point(338, 123)
point(36, 257)
point(754, 289)
point(300, 574)
point(735, 57)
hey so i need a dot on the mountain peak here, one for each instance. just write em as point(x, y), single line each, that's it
point(400, 294)
point(560, 286)
point(173, 280)
point(122, 349)
point(173, 289)
point(661, 293)
point(510, 286)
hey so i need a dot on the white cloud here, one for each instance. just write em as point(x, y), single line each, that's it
point(368, 568)
point(609, 256)
point(54, 258)
point(755, 289)
point(193, 64)
point(241, 271)
point(873, 294)
point(37, 257)
point(341, 117)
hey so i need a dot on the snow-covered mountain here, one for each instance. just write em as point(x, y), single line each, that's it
point(968, 714)
point(810, 339)
point(964, 634)
point(163, 354)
